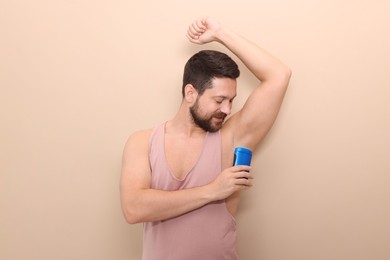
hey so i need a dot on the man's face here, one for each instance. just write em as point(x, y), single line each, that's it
point(210, 110)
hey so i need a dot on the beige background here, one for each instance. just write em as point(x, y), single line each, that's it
point(77, 77)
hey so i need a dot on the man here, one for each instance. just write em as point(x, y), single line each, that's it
point(177, 178)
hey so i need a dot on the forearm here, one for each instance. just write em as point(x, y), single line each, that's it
point(148, 205)
point(262, 64)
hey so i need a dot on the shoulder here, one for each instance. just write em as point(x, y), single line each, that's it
point(135, 170)
point(138, 139)
point(140, 135)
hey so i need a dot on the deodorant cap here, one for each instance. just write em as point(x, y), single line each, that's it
point(242, 156)
point(243, 150)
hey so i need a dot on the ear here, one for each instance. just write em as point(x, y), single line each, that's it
point(190, 93)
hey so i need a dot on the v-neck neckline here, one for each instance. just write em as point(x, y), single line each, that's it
point(193, 166)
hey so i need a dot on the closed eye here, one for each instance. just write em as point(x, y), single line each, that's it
point(220, 99)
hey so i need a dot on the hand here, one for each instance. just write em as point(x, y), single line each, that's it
point(230, 180)
point(203, 30)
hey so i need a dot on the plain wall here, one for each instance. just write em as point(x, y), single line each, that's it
point(77, 77)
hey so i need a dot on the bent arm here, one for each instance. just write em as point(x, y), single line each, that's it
point(141, 203)
point(254, 120)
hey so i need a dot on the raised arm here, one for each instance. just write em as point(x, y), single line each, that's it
point(257, 116)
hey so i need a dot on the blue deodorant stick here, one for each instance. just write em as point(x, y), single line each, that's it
point(242, 156)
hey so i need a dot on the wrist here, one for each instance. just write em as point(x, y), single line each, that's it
point(208, 193)
point(223, 35)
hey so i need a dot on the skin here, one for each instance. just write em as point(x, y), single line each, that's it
point(184, 139)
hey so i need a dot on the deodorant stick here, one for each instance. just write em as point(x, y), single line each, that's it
point(242, 156)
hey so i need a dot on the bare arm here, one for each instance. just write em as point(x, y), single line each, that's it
point(140, 203)
point(257, 116)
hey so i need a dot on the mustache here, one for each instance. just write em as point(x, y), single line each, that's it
point(220, 115)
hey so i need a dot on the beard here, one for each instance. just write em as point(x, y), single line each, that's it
point(206, 122)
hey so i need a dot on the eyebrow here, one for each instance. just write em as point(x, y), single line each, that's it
point(226, 97)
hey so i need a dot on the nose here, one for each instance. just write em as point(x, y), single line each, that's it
point(226, 108)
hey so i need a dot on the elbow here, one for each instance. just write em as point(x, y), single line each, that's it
point(284, 77)
point(131, 215)
point(280, 77)
point(286, 74)
point(132, 218)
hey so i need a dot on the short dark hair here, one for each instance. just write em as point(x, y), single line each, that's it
point(206, 65)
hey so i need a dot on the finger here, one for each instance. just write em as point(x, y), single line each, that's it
point(204, 21)
point(240, 168)
point(192, 32)
point(243, 186)
point(244, 182)
point(193, 39)
point(200, 25)
point(197, 28)
point(244, 174)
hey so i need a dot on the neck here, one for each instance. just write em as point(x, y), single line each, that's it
point(183, 124)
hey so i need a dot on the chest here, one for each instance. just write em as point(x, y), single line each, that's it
point(182, 154)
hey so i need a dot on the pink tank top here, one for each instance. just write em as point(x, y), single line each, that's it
point(207, 233)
